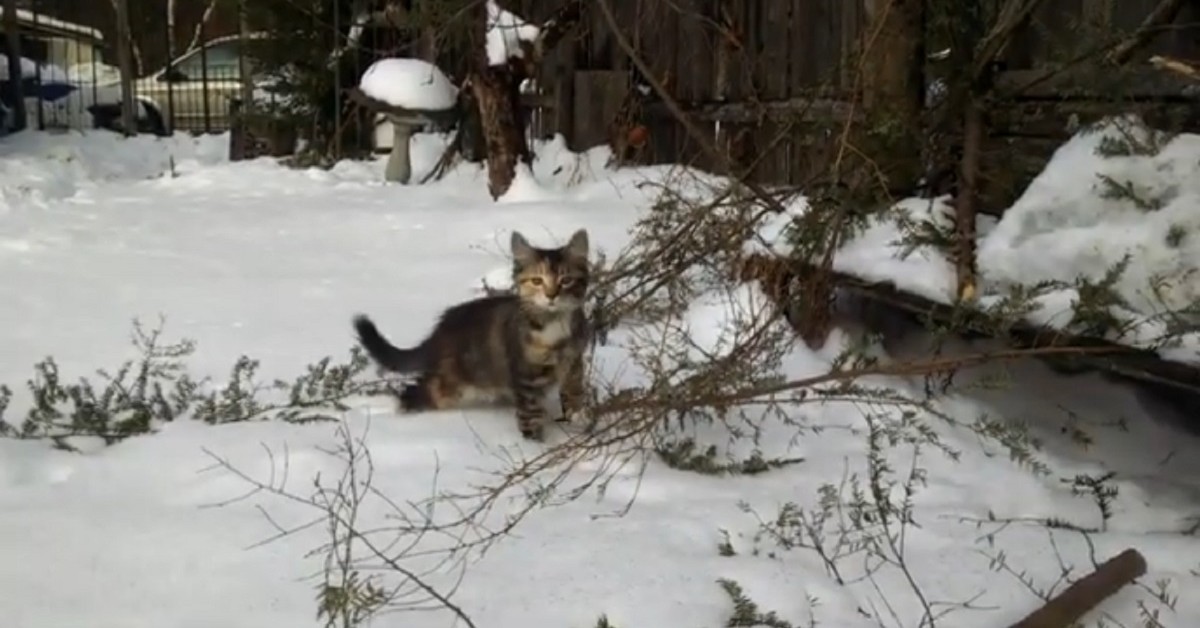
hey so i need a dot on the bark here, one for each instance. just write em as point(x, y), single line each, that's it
point(125, 61)
point(966, 204)
point(134, 49)
point(496, 91)
point(1066, 608)
point(496, 94)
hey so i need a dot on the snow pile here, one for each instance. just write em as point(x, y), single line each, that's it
point(412, 84)
point(881, 251)
point(94, 72)
point(1087, 211)
point(40, 168)
point(32, 69)
point(1077, 221)
point(505, 32)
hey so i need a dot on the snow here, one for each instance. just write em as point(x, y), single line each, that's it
point(878, 252)
point(1067, 225)
point(413, 84)
point(1066, 228)
point(257, 259)
point(30, 68)
point(505, 32)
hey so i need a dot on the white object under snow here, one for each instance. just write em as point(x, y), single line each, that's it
point(505, 33)
point(29, 69)
point(409, 83)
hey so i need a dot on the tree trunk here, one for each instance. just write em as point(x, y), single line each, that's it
point(13, 40)
point(495, 91)
point(125, 63)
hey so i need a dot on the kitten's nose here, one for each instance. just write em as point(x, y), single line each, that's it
point(551, 291)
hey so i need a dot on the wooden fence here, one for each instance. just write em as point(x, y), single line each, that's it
point(762, 76)
point(746, 70)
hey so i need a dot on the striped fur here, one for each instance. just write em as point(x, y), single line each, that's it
point(513, 348)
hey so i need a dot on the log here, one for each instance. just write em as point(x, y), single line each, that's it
point(779, 278)
point(1066, 608)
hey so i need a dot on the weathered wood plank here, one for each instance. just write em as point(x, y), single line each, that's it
point(598, 98)
point(775, 32)
point(694, 50)
point(733, 15)
point(796, 109)
point(1058, 120)
point(1090, 82)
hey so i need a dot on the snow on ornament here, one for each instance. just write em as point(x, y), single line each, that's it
point(412, 84)
point(505, 32)
point(410, 93)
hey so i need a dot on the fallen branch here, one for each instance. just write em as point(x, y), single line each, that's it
point(777, 276)
point(1163, 14)
point(1064, 609)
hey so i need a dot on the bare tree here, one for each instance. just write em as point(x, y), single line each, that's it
point(495, 86)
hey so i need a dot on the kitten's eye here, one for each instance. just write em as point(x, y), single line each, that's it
point(536, 281)
point(566, 281)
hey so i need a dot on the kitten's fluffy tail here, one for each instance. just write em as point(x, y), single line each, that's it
point(384, 353)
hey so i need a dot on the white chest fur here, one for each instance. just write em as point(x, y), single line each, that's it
point(554, 332)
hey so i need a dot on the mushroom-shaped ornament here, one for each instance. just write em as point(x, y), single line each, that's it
point(411, 93)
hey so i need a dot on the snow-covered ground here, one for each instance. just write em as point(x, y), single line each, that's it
point(253, 258)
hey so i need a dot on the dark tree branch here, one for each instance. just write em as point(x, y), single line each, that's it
point(1163, 14)
point(1012, 15)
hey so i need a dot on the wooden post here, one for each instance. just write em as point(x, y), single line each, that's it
point(125, 64)
point(13, 39)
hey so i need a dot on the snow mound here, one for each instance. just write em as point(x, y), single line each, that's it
point(409, 83)
point(41, 167)
point(505, 33)
point(1089, 209)
point(30, 69)
point(880, 252)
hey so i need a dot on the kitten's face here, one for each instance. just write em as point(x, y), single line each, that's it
point(553, 280)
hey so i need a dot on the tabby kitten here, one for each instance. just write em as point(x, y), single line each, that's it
point(516, 348)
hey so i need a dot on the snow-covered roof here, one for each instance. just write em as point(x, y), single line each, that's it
point(413, 84)
point(505, 32)
point(27, 18)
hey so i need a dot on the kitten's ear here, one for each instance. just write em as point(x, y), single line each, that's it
point(522, 252)
point(577, 247)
